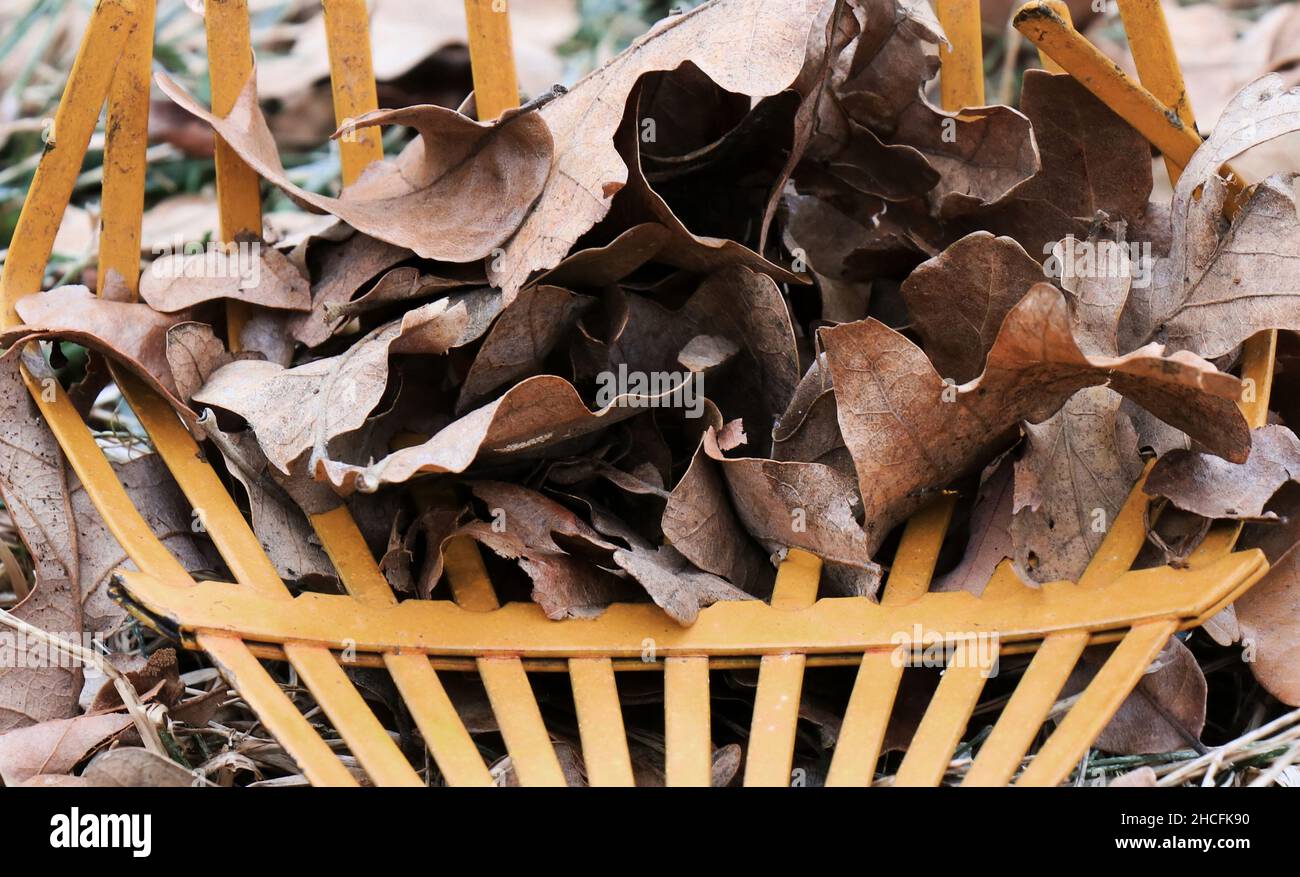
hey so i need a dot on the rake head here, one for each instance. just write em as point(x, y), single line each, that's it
point(241, 623)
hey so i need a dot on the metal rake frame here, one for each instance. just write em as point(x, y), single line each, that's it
point(257, 618)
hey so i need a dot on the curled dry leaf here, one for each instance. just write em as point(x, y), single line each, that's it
point(1249, 284)
point(520, 340)
point(1215, 488)
point(673, 583)
point(531, 417)
point(751, 47)
point(296, 410)
point(701, 523)
point(910, 432)
point(981, 153)
point(1260, 112)
point(345, 267)
point(246, 270)
point(804, 505)
point(455, 193)
point(981, 277)
point(134, 334)
point(193, 353)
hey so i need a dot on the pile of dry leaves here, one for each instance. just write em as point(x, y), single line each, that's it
point(743, 288)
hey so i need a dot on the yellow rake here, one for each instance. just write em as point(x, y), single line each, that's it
point(256, 618)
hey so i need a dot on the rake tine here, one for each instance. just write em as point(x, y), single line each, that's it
point(435, 715)
point(274, 709)
point(470, 586)
point(1095, 72)
point(945, 719)
point(221, 518)
point(1098, 703)
point(238, 545)
point(865, 720)
point(126, 139)
point(961, 78)
point(872, 700)
point(1122, 542)
point(600, 722)
point(918, 551)
point(348, 712)
point(56, 175)
point(687, 734)
point(496, 90)
point(1157, 63)
point(352, 78)
point(520, 719)
point(780, 681)
point(1063, 10)
point(496, 87)
point(505, 679)
point(444, 734)
point(1025, 712)
point(239, 194)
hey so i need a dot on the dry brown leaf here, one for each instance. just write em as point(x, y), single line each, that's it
point(990, 542)
point(193, 353)
point(981, 153)
point(792, 504)
point(673, 583)
point(293, 411)
point(1164, 713)
point(128, 768)
point(701, 523)
point(455, 193)
point(1214, 488)
point(959, 299)
point(34, 486)
point(247, 270)
point(1269, 616)
point(1249, 283)
point(531, 417)
point(563, 585)
point(55, 747)
point(751, 47)
point(344, 267)
point(910, 432)
point(1260, 112)
point(640, 206)
point(133, 333)
point(519, 341)
point(1092, 160)
point(741, 306)
point(277, 506)
point(1076, 472)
